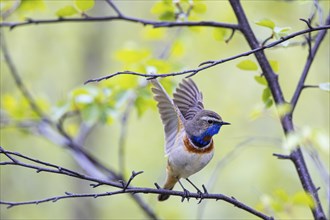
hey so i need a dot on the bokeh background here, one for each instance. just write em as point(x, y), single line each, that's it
point(54, 60)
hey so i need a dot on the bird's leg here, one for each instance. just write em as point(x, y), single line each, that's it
point(201, 194)
point(185, 191)
point(198, 190)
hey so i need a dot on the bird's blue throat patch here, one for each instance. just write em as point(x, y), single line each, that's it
point(205, 138)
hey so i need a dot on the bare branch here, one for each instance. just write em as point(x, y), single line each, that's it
point(319, 38)
point(156, 24)
point(124, 188)
point(211, 63)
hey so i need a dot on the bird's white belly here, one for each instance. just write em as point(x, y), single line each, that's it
point(185, 163)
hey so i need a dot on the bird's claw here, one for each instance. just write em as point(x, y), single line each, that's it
point(186, 195)
point(202, 194)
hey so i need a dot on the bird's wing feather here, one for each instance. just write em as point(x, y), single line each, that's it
point(188, 98)
point(170, 115)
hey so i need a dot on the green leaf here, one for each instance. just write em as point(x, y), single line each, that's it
point(303, 198)
point(266, 97)
point(199, 7)
point(325, 86)
point(220, 34)
point(150, 33)
point(247, 65)
point(281, 32)
point(164, 10)
point(261, 80)
point(130, 55)
point(31, 5)
point(167, 16)
point(84, 5)
point(274, 64)
point(266, 23)
point(269, 103)
point(66, 11)
point(266, 94)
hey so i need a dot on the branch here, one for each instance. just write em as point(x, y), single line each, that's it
point(296, 155)
point(123, 188)
point(212, 63)
point(120, 17)
point(114, 7)
point(301, 84)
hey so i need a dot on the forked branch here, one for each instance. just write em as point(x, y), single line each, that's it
point(122, 187)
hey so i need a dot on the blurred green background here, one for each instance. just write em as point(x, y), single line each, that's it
point(54, 61)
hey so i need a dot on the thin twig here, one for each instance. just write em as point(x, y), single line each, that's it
point(156, 24)
point(124, 188)
point(310, 58)
point(211, 63)
point(114, 7)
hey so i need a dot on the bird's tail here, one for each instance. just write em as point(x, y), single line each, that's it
point(170, 183)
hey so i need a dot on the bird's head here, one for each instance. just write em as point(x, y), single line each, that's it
point(203, 126)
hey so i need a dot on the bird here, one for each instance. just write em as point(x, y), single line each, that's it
point(188, 128)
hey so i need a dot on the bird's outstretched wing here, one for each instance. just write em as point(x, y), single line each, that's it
point(188, 98)
point(170, 115)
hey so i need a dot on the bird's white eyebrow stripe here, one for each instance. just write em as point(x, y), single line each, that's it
point(206, 118)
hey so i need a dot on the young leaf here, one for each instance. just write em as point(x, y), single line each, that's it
point(84, 5)
point(303, 198)
point(269, 103)
point(261, 80)
point(130, 55)
point(281, 32)
point(266, 94)
point(247, 65)
point(30, 5)
point(219, 34)
point(66, 11)
point(274, 65)
point(266, 23)
point(199, 7)
point(164, 10)
point(325, 86)
point(266, 97)
point(150, 33)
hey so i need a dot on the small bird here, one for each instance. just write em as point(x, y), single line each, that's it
point(188, 131)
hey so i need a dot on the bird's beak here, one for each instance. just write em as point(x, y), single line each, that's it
point(225, 123)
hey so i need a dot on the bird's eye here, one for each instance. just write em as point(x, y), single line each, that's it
point(209, 121)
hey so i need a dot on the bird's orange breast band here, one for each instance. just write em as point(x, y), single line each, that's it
point(190, 148)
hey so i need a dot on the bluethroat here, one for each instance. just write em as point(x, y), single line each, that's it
point(188, 131)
